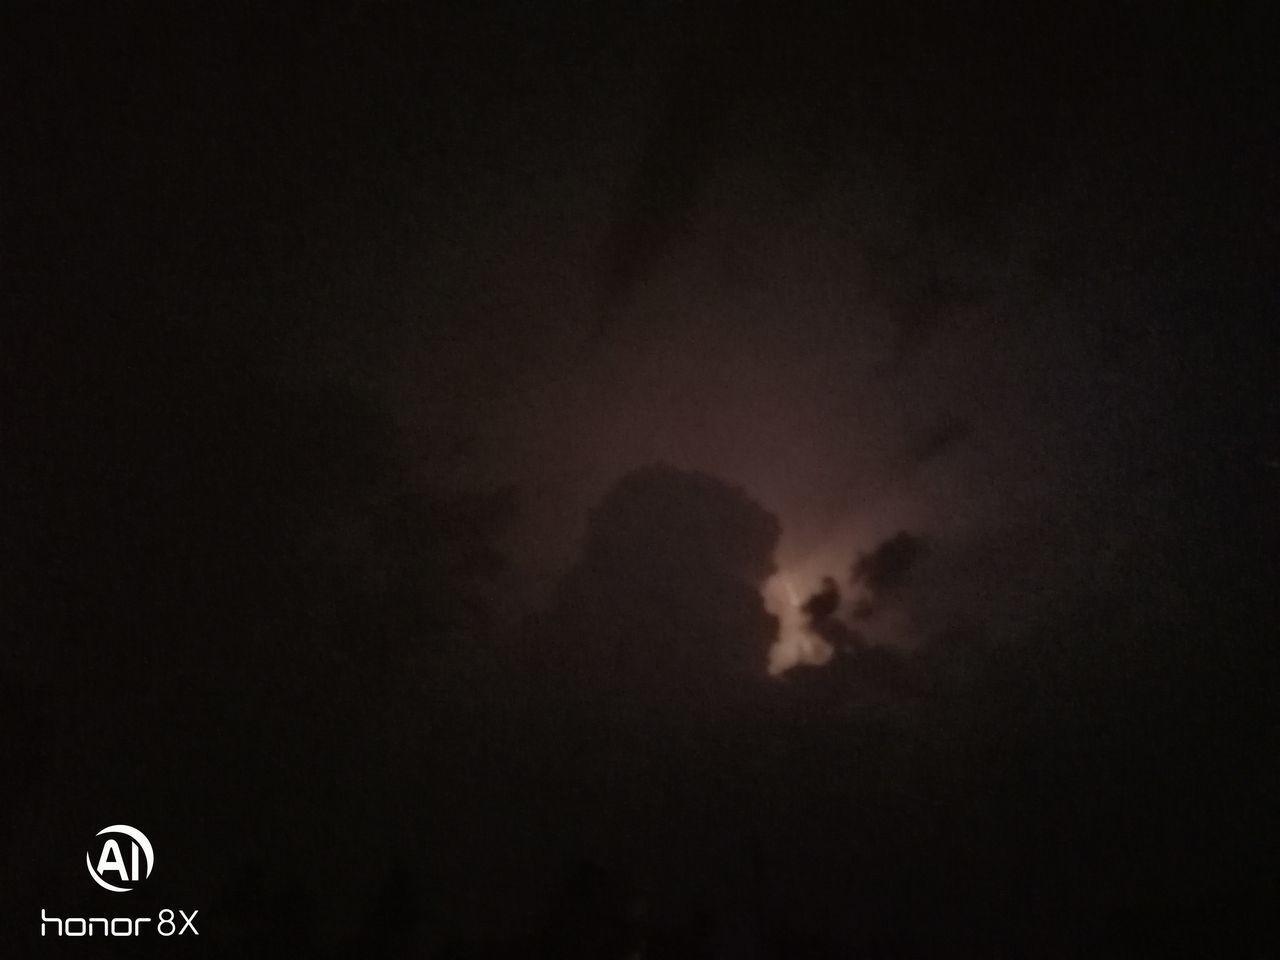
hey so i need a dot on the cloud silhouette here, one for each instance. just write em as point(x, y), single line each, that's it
point(665, 599)
point(823, 604)
point(885, 569)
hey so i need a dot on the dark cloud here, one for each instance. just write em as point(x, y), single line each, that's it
point(823, 604)
point(839, 636)
point(667, 589)
point(666, 523)
point(821, 612)
point(885, 569)
point(863, 608)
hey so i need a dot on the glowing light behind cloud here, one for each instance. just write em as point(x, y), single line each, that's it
point(803, 562)
point(795, 643)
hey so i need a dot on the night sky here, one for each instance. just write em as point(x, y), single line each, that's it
point(656, 480)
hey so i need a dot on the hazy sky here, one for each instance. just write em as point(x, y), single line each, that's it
point(407, 406)
point(804, 262)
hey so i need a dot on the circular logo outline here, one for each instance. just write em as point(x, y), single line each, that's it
point(132, 833)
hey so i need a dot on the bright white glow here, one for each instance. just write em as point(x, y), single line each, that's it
point(784, 594)
point(802, 563)
point(793, 598)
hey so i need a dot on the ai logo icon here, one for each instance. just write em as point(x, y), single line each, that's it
point(120, 860)
point(112, 861)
